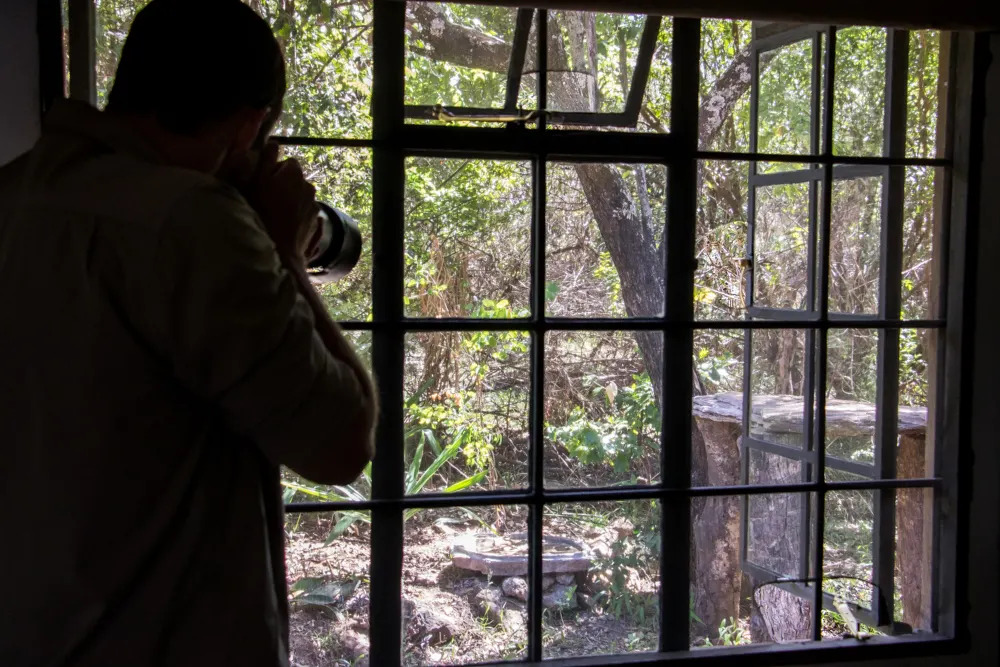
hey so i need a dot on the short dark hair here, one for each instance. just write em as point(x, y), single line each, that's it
point(192, 62)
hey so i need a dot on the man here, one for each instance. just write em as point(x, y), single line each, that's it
point(162, 354)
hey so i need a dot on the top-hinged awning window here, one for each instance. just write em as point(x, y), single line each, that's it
point(480, 65)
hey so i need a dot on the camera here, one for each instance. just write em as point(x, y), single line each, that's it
point(339, 246)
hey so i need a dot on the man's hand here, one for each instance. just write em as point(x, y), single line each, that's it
point(286, 203)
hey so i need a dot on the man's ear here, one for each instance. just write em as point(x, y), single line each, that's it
point(248, 127)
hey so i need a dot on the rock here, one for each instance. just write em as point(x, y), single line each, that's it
point(489, 602)
point(515, 587)
point(561, 597)
point(426, 627)
point(565, 578)
point(500, 610)
point(585, 600)
point(548, 581)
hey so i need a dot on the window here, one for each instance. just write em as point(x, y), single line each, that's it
point(585, 224)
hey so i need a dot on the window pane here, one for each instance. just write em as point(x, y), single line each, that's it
point(604, 598)
point(343, 179)
point(851, 394)
point(784, 120)
point(923, 224)
point(859, 91)
point(855, 245)
point(777, 385)
point(602, 393)
point(297, 489)
point(465, 585)
point(328, 560)
point(926, 88)
point(781, 245)
point(458, 55)
point(328, 62)
point(592, 59)
point(776, 533)
point(604, 233)
point(848, 554)
point(917, 396)
point(718, 407)
point(466, 411)
point(724, 108)
point(113, 20)
point(468, 225)
point(721, 241)
point(731, 606)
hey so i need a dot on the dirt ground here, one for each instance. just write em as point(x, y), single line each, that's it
point(443, 624)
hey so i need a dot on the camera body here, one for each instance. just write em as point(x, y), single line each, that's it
point(339, 246)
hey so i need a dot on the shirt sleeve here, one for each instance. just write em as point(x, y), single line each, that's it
point(231, 324)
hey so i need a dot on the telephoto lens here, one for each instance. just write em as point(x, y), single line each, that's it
point(339, 247)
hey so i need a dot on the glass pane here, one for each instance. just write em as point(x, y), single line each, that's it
point(847, 553)
point(468, 225)
point(604, 233)
point(926, 88)
point(465, 585)
point(721, 241)
point(603, 591)
point(777, 535)
point(859, 85)
point(777, 385)
point(781, 246)
point(466, 411)
point(855, 245)
point(914, 558)
point(784, 116)
point(298, 489)
point(328, 561)
point(458, 55)
point(343, 179)
point(851, 394)
point(923, 220)
point(328, 62)
point(113, 20)
point(766, 468)
point(731, 606)
point(917, 394)
point(602, 417)
point(724, 108)
point(592, 59)
point(718, 407)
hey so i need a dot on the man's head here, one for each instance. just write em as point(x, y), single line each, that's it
point(205, 69)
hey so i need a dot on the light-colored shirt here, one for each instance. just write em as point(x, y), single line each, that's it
point(157, 365)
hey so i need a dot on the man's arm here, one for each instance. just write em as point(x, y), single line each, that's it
point(249, 336)
point(331, 335)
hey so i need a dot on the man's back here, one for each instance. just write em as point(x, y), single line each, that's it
point(110, 415)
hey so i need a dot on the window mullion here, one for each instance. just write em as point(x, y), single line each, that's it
point(887, 406)
point(675, 446)
point(537, 406)
point(388, 184)
point(820, 356)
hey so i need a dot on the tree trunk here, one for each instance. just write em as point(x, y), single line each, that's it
point(716, 575)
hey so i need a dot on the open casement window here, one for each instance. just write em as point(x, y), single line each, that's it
point(849, 277)
point(656, 309)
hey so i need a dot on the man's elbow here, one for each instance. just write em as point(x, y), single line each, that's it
point(343, 455)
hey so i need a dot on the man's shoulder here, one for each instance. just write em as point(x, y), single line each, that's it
point(123, 187)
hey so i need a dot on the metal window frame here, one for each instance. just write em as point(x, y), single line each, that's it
point(393, 140)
